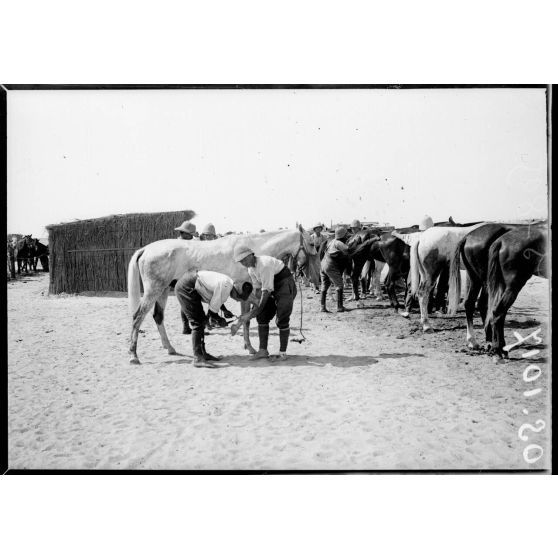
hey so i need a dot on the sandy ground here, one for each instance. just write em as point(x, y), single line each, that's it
point(368, 390)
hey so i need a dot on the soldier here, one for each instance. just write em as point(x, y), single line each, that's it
point(186, 231)
point(278, 293)
point(208, 232)
point(195, 287)
point(333, 264)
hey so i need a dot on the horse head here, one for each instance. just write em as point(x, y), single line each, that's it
point(307, 257)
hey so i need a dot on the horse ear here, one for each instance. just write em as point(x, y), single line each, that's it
point(301, 228)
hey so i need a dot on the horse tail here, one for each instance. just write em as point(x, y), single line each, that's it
point(415, 267)
point(493, 279)
point(134, 282)
point(454, 293)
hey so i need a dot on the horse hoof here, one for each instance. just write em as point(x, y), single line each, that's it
point(172, 351)
point(427, 330)
point(404, 314)
point(252, 351)
point(360, 304)
point(135, 360)
point(474, 346)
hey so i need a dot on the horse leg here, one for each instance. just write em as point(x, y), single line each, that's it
point(147, 302)
point(375, 281)
point(482, 305)
point(471, 295)
point(424, 290)
point(500, 310)
point(245, 307)
point(159, 316)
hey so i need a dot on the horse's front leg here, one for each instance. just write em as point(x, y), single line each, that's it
point(245, 307)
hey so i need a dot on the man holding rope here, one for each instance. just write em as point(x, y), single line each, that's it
point(278, 291)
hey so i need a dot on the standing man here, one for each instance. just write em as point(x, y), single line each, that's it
point(208, 232)
point(278, 293)
point(356, 226)
point(195, 287)
point(317, 237)
point(186, 231)
point(333, 264)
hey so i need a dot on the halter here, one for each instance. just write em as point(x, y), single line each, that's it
point(301, 247)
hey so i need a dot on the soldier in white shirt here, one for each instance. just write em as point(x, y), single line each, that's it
point(195, 287)
point(278, 293)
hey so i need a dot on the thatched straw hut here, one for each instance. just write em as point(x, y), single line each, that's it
point(93, 254)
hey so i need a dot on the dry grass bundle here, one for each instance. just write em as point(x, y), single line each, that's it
point(93, 254)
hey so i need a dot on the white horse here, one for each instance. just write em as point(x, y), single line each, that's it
point(431, 251)
point(160, 263)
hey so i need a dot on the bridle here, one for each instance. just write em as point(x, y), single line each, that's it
point(302, 249)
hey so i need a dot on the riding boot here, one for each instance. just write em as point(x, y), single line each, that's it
point(323, 296)
point(340, 307)
point(186, 330)
point(284, 339)
point(263, 334)
point(197, 344)
point(207, 355)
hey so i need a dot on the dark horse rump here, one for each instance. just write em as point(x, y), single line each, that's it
point(513, 259)
point(39, 252)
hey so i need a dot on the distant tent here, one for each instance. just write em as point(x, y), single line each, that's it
point(93, 254)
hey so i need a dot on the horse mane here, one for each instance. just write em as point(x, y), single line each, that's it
point(363, 247)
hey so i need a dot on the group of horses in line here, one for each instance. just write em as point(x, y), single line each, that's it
point(498, 259)
point(26, 253)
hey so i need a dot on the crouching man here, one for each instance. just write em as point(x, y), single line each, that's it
point(195, 287)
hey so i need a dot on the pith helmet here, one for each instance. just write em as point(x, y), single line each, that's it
point(316, 225)
point(208, 229)
point(355, 224)
point(340, 232)
point(187, 227)
point(426, 223)
point(241, 251)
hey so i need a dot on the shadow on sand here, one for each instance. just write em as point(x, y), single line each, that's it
point(338, 361)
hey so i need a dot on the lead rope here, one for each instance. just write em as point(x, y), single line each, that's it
point(301, 312)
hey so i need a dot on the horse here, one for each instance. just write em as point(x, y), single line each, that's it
point(38, 252)
point(513, 259)
point(432, 252)
point(361, 259)
point(160, 263)
point(23, 254)
point(472, 252)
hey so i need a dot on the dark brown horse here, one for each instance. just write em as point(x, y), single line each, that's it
point(512, 260)
point(23, 254)
point(38, 252)
point(472, 252)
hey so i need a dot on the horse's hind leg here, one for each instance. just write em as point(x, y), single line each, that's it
point(482, 305)
point(424, 290)
point(471, 295)
point(145, 306)
point(159, 316)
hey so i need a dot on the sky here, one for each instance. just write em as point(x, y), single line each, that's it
point(247, 160)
